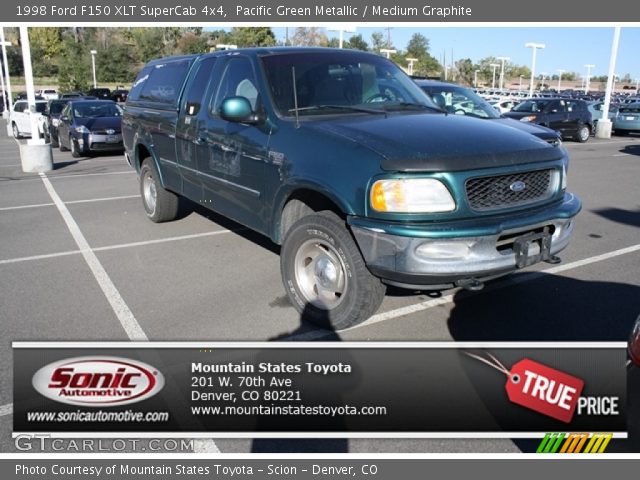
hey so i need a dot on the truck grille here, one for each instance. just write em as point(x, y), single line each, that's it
point(516, 189)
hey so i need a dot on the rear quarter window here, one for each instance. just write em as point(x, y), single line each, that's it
point(164, 82)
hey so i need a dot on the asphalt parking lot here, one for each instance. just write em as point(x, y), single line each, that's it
point(80, 261)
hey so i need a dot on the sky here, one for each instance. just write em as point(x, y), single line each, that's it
point(568, 47)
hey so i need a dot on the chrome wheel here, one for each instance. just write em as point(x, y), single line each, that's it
point(150, 193)
point(320, 274)
point(16, 132)
point(583, 134)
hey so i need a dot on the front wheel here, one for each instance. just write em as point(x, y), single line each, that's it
point(61, 145)
point(583, 133)
point(16, 131)
point(161, 205)
point(325, 275)
point(75, 150)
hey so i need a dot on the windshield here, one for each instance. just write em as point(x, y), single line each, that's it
point(341, 80)
point(460, 100)
point(94, 110)
point(633, 108)
point(531, 106)
point(56, 107)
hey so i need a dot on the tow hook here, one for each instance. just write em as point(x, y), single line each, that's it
point(470, 284)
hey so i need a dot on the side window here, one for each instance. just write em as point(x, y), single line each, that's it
point(136, 88)
point(238, 79)
point(164, 82)
point(198, 87)
point(19, 107)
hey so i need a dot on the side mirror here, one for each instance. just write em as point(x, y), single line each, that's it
point(238, 110)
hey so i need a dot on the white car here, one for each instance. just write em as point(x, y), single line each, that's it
point(47, 93)
point(20, 118)
point(504, 106)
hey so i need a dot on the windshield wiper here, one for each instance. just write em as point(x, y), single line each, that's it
point(420, 106)
point(338, 107)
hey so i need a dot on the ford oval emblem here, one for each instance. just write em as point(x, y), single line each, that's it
point(517, 186)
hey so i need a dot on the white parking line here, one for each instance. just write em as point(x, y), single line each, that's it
point(6, 409)
point(10, 166)
point(621, 155)
point(125, 315)
point(419, 307)
point(71, 175)
point(117, 246)
point(20, 207)
point(122, 311)
point(72, 202)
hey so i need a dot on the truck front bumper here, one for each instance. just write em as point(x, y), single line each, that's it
point(439, 255)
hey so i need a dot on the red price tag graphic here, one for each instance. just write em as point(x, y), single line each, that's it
point(544, 389)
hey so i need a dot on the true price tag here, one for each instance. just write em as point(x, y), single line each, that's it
point(544, 389)
point(539, 387)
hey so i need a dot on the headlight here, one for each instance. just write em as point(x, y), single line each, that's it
point(528, 118)
point(82, 129)
point(425, 195)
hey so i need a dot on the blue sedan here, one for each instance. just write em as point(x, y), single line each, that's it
point(627, 120)
point(88, 126)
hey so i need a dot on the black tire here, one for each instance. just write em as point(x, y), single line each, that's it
point(61, 145)
point(620, 133)
point(351, 293)
point(54, 141)
point(583, 133)
point(15, 130)
point(75, 151)
point(160, 205)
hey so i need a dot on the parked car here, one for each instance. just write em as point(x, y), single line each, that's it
point(504, 106)
point(568, 116)
point(627, 120)
point(72, 95)
point(88, 126)
point(101, 93)
point(339, 157)
point(47, 93)
point(20, 118)
point(119, 95)
point(50, 120)
point(448, 95)
point(596, 111)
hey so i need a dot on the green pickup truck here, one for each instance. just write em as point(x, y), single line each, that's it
point(337, 156)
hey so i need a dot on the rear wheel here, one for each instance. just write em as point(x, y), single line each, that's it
point(325, 275)
point(161, 205)
point(61, 145)
point(16, 131)
point(583, 133)
point(75, 151)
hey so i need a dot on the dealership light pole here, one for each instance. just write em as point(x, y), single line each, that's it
point(535, 47)
point(560, 72)
point(93, 64)
point(603, 127)
point(35, 155)
point(520, 86)
point(387, 51)
point(411, 62)
point(494, 66)
point(586, 83)
point(341, 29)
point(475, 78)
point(502, 60)
point(6, 70)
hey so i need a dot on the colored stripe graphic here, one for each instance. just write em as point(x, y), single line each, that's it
point(574, 442)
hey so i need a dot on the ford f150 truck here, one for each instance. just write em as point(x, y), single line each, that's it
point(341, 159)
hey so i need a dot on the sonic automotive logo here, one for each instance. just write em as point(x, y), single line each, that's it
point(98, 381)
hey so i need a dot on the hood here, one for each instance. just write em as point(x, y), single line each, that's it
point(435, 142)
point(532, 128)
point(518, 115)
point(100, 123)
